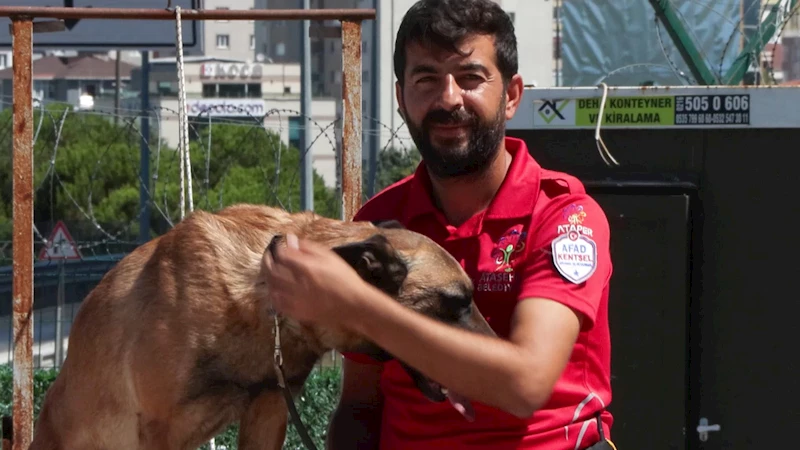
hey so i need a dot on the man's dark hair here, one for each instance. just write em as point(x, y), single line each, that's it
point(445, 23)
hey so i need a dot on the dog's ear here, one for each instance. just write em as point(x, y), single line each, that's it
point(389, 224)
point(376, 261)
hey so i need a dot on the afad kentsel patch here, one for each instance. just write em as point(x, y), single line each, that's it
point(574, 250)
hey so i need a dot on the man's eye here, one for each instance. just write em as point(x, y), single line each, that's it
point(472, 78)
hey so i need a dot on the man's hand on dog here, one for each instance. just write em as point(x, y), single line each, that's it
point(312, 283)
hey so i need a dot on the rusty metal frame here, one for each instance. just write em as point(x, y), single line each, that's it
point(22, 29)
point(50, 12)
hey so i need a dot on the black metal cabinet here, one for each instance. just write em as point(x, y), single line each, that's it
point(647, 312)
point(744, 349)
point(727, 358)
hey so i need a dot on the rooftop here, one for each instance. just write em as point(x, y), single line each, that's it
point(86, 67)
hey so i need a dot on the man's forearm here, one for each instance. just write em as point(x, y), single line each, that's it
point(485, 369)
point(354, 427)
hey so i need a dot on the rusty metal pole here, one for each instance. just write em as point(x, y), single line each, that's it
point(22, 32)
point(351, 115)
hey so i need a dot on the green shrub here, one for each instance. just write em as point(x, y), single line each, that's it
point(315, 405)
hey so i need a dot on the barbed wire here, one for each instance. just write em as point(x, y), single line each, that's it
point(794, 12)
point(717, 61)
point(59, 125)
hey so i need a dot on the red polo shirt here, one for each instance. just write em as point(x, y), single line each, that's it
point(541, 236)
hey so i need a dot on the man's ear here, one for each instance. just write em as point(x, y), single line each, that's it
point(514, 94)
point(376, 261)
point(398, 93)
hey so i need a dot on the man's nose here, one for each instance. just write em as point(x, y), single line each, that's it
point(450, 97)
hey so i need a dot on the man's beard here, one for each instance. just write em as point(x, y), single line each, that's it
point(483, 142)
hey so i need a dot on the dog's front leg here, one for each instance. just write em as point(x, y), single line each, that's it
point(263, 425)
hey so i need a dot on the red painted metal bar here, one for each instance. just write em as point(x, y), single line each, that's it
point(22, 287)
point(187, 14)
point(351, 113)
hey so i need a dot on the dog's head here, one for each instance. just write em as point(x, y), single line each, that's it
point(417, 273)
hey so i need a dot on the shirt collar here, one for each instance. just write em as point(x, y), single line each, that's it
point(515, 198)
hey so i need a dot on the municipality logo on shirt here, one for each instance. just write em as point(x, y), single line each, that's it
point(507, 248)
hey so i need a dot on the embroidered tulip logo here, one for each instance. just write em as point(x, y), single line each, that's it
point(574, 214)
point(508, 246)
point(507, 257)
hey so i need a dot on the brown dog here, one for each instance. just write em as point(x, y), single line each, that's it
point(176, 341)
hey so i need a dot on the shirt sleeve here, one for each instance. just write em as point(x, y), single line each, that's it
point(569, 260)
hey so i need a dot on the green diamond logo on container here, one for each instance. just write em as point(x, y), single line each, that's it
point(556, 112)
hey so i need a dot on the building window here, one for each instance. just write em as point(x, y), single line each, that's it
point(39, 88)
point(165, 88)
point(3, 61)
point(232, 90)
point(253, 90)
point(252, 42)
point(295, 137)
point(222, 8)
point(223, 41)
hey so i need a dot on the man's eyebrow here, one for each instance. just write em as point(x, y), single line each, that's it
point(466, 67)
point(473, 67)
point(422, 68)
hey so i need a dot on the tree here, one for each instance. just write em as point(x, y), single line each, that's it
point(95, 172)
point(394, 164)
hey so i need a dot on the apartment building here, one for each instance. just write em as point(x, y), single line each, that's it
point(230, 39)
point(279, 41)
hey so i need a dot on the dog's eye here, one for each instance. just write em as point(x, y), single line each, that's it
point(455, 303)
